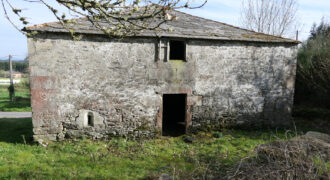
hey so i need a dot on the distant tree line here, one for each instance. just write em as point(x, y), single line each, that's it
point(313, 68)
point(19, 66)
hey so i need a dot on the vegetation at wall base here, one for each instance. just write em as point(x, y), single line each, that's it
point(121, 158)
point(210, 154)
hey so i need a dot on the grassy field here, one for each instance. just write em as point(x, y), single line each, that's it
point(120, 158)
point(21, 103)
point(210, 153)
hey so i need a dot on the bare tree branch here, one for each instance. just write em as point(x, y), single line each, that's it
point(122, 17)
point(275, 17)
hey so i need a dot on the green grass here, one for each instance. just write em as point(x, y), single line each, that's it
point(4, 78)
point(120, 158)
point(312, 118)
point(211, 153)
point(21, 103)
point(13, 130)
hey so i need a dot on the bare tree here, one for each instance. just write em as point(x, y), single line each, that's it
point(113, 17)
point(275, 17)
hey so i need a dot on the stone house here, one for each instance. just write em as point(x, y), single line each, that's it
point(201, 73)
point(17, 75)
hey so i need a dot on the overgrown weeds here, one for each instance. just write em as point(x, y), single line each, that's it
point(298, 158)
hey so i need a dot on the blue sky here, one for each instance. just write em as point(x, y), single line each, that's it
point(227, 11)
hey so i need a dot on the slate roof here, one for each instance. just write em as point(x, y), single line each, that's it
point(184, 26)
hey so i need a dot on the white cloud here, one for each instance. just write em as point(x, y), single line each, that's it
point(316, 3)
point(229, 3)
point(310, 12)
point(225, 17)
point(226, 11)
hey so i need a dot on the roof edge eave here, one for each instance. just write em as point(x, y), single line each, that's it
point(285, 40)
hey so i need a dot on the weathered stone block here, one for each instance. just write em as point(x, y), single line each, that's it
point(194, 100)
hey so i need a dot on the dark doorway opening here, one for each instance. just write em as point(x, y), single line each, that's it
point(174, 114)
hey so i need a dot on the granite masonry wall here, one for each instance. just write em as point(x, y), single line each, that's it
point(119, 84)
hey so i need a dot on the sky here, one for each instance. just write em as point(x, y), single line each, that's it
point(226, 11)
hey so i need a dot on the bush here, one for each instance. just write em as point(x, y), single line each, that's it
point(313, 68)
point(298, 158)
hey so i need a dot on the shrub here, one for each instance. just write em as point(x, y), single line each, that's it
point(313, 68)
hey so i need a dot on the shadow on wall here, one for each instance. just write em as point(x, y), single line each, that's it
point(16, 130)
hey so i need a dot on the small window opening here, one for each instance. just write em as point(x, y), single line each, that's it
point(90, 119)
point(177, 50)
point(174, 114)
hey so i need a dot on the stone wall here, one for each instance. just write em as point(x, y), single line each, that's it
point(120, 84)
point(243, 83)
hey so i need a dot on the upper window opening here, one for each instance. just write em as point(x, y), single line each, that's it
point(90, 119)
point(177, 50)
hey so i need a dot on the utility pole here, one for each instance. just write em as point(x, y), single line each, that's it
point(297, 34)
point(11, 70)
point(11, 86)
